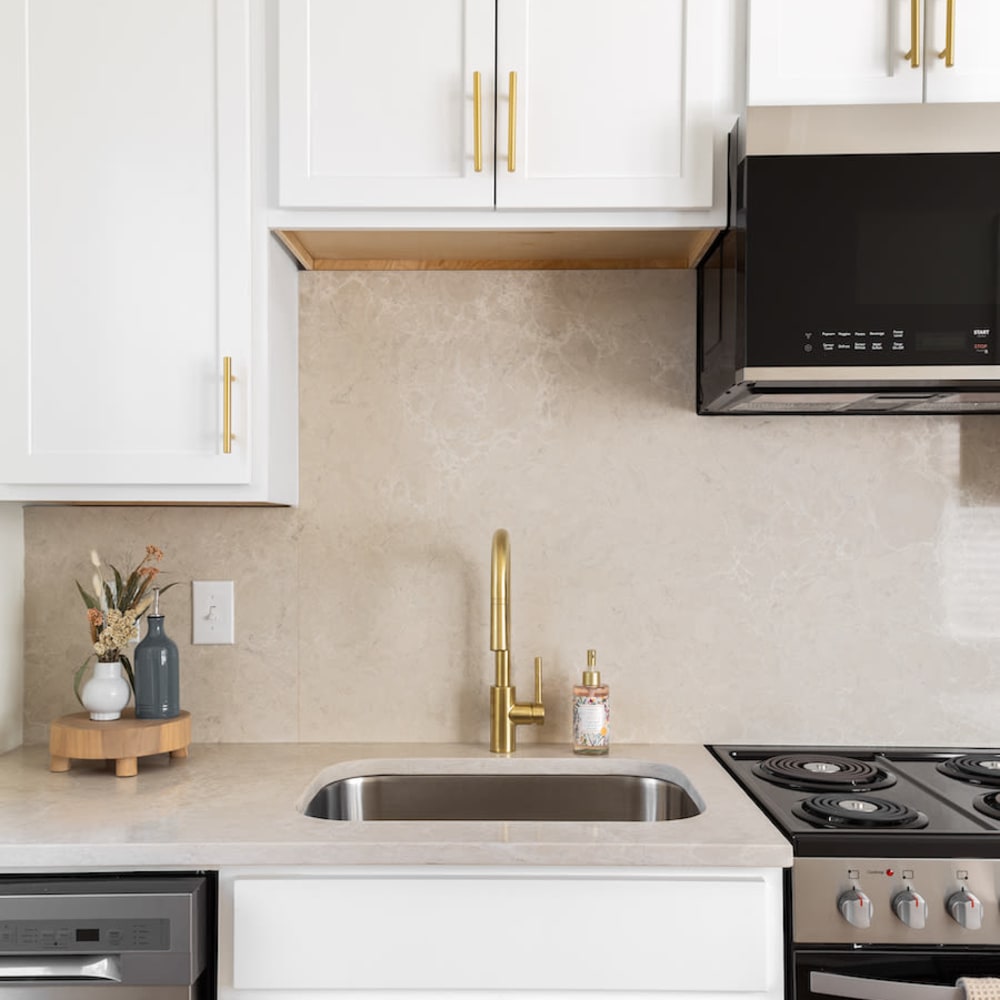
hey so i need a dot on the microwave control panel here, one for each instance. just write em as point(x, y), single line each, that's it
point(897, 345)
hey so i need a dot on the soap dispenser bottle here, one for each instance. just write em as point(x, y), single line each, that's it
point(157, 680)
point(591, 711)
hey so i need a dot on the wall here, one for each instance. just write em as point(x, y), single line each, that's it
point(11, 625)
point(786, 579)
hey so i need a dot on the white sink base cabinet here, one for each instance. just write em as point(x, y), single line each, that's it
point(354, 932)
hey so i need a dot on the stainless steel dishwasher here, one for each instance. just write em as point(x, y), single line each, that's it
point(82, 937)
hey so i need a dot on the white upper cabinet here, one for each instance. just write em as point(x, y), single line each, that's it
point(872, 51)
point(611, 104)
point(830, 52)
point(962, 63)
point(377, 102)
point(129, 271)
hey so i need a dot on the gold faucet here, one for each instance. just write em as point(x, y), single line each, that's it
point(505, 714)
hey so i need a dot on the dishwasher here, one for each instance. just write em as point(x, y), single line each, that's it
point(107, 937)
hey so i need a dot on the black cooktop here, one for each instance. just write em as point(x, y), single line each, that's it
point(875, 801)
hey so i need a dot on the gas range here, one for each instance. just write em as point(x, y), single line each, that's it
point(896, 862)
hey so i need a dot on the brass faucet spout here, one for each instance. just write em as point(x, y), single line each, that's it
point(500, 592)
point(505, 713)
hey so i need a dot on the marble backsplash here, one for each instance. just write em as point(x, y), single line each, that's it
point(790, 579)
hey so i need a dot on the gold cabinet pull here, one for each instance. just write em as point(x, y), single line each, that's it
point(914, 54)
point(948, 55)
point(512, 125)
point(228, 378)
point(477, 119)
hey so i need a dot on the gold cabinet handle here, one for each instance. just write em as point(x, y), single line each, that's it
point(228, 378)
point(512, 125)
point(477, 119)
point(914, 54)
point(948, 55)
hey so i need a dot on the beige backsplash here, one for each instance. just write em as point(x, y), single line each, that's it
point(743, 579)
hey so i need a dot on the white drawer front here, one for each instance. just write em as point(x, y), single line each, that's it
point(609, 931)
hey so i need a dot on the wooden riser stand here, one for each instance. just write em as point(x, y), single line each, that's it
point(123, 740)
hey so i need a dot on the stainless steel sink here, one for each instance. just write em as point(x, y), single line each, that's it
point(568, 798)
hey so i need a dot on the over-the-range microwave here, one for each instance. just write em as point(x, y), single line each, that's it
point(854, 283)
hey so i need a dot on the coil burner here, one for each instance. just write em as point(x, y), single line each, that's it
point(975, 768)
point(868, 812)
point(806, 772)
point(988, 804)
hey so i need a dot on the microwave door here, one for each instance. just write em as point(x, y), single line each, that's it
point(865, 261)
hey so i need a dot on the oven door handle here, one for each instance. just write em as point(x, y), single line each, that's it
point(101, 968)
point(858, 988)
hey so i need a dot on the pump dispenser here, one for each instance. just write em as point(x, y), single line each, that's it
point(591, 711)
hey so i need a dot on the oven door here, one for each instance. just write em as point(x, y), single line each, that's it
point(884, 974)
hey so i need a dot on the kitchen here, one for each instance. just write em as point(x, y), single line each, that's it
point(768, 580)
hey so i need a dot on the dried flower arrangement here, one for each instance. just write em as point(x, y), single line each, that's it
point(114, 608)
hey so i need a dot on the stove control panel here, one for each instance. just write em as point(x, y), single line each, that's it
point(930, 901)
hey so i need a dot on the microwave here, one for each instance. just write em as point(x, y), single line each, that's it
point(854, 283)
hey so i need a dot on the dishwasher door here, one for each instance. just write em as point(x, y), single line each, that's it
point(127, 937)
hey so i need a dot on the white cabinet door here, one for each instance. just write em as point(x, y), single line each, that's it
point(614, 104)
point(973, 71)
point(832, 52)
point(127, 269)
point(377, 103)
point(358, 932)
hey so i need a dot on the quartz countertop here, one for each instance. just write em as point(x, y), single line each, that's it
point(239, 804)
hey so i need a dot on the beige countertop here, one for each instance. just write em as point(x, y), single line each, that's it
point(237, 804)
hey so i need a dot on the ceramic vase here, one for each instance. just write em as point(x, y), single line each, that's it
point(106, 693)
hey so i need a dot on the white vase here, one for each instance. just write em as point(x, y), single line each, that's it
point(106, 693)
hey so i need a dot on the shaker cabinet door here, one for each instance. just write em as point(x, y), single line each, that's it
point(379, 106)
point(962, 63)
point(834, 52)
point(580, 104)
point(125, 267)
point(611, 103)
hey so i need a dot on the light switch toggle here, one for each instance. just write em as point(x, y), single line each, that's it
point(212, 616)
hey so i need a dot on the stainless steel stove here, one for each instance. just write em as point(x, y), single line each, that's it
point(894, 891)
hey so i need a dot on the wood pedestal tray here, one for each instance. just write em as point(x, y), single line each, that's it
point(122, 740)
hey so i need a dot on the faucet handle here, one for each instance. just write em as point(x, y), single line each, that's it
point(538, 680)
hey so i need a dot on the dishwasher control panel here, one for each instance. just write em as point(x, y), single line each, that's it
point(84, 935)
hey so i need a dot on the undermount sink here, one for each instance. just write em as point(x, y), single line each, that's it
point(579, 798)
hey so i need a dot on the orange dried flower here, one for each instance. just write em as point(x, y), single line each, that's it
point(152, 552)
point(150, 571)
point(94, 616)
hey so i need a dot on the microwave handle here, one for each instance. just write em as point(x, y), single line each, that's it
point(858, 988)
point(98, 968)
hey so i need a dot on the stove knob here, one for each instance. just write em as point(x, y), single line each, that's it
point(966, 910)
point(855, 908)
point(911, 908)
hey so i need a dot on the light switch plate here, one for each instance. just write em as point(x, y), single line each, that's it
point(212, 612)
